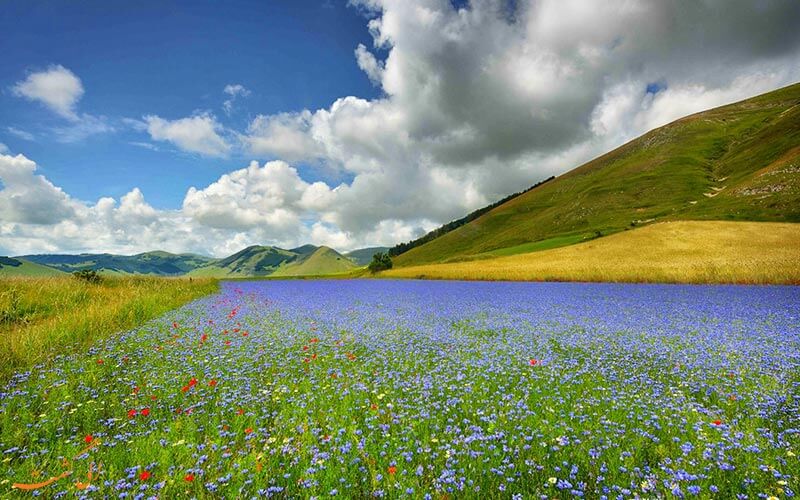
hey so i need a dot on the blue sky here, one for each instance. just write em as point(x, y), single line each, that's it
point(209, 126)
point(170, 59)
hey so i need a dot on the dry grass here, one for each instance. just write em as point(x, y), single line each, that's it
point(40, 317)
point(672, 252)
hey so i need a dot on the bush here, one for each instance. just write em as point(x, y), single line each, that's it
point(89, 275)
point(380, 262)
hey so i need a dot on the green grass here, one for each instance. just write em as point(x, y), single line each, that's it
point(737, 162)
point(41, 317)
point(535, 246)
point(21, 267)
point(322, 261)
point(673, 252)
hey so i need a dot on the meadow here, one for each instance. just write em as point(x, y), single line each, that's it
point(668, 252)
point(43, 316)
point(415, 389)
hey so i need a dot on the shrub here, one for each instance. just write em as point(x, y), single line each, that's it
point(89, 275)
point(380, 262)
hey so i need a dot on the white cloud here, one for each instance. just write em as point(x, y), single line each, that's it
point(234, 90)
point(57, 88)
point(285, 135)
point(196, 134)
point(30, 198)
point(369, 64)
point(476, 102)
point(22, 134)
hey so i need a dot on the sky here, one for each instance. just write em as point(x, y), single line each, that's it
point(208, 126)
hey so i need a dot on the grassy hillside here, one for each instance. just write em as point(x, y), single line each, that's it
point(155, 263)
point(736, 162)
point(42, 317)
point(252, 261)
point(10, 267)
point(323, 261)
point(671, 252)
point(363, 256)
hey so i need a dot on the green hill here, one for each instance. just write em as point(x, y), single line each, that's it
point(736, 162)
point(324, 260)
point(254, 260)
point(10, 267)
point(363, 256)
point(155, 263)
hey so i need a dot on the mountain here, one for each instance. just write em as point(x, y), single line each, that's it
point(323, 260)
point(363, 256)
point(739, 162)
point(155, 263)
point(254, 260)
point(19, 267)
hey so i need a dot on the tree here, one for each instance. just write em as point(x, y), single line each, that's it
point(380, 262)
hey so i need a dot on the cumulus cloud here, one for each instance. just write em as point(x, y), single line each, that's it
point(29, 198)
point(56, 87)
point(484, 100)
point(59, 89)
point(476, 102)
point(196, 134)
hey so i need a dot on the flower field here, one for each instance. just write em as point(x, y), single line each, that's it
point(416, 389)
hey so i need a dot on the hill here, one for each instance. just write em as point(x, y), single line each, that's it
point(323, 260)
point(254, 260)
point(363, 256)
point(154, 263)
point(736, 162)
point(670, 252)
point(19, 267)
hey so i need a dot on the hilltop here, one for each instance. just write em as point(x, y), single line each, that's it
point(739, 162)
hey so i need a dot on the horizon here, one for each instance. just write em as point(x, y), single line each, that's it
point(344, 124)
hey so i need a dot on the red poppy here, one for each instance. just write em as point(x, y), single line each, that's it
point(314, 356)
point(88, 439)
point(717, 422)
point(131, 413)
point(248, 430)
point(314, 340)
point(240, 411)
point(212, 383)
point(305, 347)
point(392, 470)
point(185, 388)
point(188, 478)
point(228, 342)
point(203, 337)
point(245, 334)
point(533, 362)
point(145, 412)
point(192, 382)
point(144, 475)
point(136, 389)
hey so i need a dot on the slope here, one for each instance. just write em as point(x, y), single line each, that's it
point(11, 267)
point(670, 252)
point(323, 260)
point(254, 260)
point(736, 162)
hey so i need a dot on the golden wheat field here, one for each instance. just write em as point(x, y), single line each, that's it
point(673, 252)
